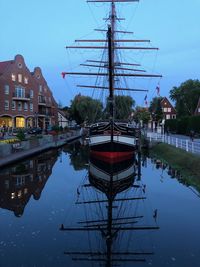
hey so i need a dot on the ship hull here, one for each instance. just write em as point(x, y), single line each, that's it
point(114, 144)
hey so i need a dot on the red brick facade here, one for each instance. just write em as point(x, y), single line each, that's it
point(169, 111)
point(26, 100)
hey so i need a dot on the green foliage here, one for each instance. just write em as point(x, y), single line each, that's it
point(186, 97)
point(184, 125)
point(56, 128)
point(84, 108)
point(142, 114)
point(21, 135)
point(123, 107)
point(156, 109)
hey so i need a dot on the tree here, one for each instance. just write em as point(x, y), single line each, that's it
point(156, 109)
point(186, 97)
point(142, 114)
point(123, 107)
point(84, 108)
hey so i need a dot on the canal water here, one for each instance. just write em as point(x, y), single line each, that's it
point(57, 209)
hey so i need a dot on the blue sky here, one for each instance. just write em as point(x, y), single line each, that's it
point(40, 30)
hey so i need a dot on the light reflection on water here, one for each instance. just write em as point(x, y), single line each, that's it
point(38, 195)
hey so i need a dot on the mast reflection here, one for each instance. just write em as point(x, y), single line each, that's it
point(112, 216)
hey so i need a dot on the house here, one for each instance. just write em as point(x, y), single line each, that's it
point(26, 100)
point(197, 110)
point(62, 119)
point(169, 111)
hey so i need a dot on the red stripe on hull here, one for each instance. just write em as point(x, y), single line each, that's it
point(111, 157)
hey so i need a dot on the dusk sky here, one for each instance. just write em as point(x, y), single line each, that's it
point(40, 30)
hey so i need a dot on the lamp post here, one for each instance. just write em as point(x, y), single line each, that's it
point(36, 119)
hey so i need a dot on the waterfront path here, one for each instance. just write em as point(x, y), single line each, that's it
point(179, 141)
point(8, 155)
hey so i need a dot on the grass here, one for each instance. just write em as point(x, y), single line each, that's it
point(187, 163)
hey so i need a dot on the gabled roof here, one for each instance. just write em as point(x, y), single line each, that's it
point(4, 65)
point(166, 100)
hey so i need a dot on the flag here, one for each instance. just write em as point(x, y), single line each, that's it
point(145, 100)
point(158, 89)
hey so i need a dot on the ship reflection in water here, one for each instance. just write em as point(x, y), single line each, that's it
point(113, 216)
point(21, 181)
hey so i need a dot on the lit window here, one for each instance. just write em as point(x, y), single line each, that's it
point(31, 93)
point(169, 110)
point(19, 106)
point(6, 89)
point(19, 78)
point(13, 105)
point(20, 122)
point(25, 106)
point(31, 106)
point(165, 109)
point(25, 190)
point(25, 80)
point(6, 105)
point(13, 77)
point(167, 116)
point(19, 194)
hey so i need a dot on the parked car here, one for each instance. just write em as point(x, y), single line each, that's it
point(35, 131)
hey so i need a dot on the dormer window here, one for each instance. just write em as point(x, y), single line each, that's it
point(25, 80)
point(13, 77)
point(19, 78)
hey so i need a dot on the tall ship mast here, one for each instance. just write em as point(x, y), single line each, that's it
point(113, 140)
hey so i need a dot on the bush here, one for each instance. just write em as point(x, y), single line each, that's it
point(21, 135)
point(183, 125)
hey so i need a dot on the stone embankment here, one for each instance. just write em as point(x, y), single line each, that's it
point(10, 153)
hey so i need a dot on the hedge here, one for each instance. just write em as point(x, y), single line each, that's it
point(183, 125)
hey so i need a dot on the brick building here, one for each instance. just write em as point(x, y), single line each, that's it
point(169, 111)
point(26, 100)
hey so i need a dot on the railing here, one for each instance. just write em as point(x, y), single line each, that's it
point(25, 96)
point(185, 144)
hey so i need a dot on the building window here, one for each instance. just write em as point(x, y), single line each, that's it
point(31, 106)
point(20, 65)
point(25, 106)
point(20, 122)
point(198, 109)
point(49, 99)
point(173, 116)
point(13, 77)
point(19, 106)
point(25, 80)
point(169, 109)
point(40, 88)
point(20, 78)
point(13, 105)
point(6, 89)
point(6, 105)
point(45, 89)
point(165, 109)
point(19, 92)
point(167, 116)
point(31, 93)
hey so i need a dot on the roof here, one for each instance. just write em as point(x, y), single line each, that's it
point(197, 108)
point(4, 65)
point(62, 113)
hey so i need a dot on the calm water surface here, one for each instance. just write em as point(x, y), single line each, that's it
point(40, 194)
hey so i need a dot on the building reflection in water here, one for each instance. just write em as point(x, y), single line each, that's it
point(21, 181)
point(112, 214)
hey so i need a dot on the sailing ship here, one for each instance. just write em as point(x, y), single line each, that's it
point(113, 140)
